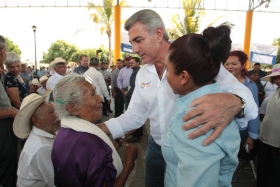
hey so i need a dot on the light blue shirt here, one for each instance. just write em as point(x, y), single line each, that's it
point(188, 162)
point(253, 124)
point(124, 77)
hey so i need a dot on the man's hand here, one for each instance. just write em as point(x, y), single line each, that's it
point(114, 94)
point(109, 101)
point(215, 111)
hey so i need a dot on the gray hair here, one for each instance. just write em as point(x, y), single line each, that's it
point(11, 57)
point(2, 42)
point(150, 19)
point(68, 90)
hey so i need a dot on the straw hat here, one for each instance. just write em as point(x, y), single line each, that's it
point(35, 82)
point(22, 125)
point(56, 61)
point(43, 78)
point(275, 72)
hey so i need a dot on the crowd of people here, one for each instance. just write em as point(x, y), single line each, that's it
point(194, 91)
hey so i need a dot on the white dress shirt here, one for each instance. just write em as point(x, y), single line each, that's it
point(53, 80)
point(154, 100)
point(99, 82)
point(35, 166)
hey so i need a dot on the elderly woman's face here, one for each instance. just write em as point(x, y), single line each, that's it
point(14, 68)
point(92, 104)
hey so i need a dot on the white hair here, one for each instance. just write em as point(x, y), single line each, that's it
point(68, 90)
point(11, 57)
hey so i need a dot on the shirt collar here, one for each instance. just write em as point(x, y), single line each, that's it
point(40, 132)
point(184, 101)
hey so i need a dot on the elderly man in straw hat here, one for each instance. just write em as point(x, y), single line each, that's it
point(59, 67)
point(37, 121)
point(269, 154)
point(43, 81)
point(8, 141)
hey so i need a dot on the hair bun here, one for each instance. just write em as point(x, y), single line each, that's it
point(218, 40)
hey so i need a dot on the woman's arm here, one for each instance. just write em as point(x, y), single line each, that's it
point(14, 96)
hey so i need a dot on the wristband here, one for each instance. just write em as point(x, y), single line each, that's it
point(119, 142)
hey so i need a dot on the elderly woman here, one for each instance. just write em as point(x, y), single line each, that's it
point(15, 86)
point(235, 64)
point(82, 154)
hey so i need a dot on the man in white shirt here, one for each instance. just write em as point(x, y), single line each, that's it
point(37, 121)
point(59, 67)
point(153, 98)
point(97, 81)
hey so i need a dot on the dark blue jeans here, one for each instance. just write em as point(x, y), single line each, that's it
point(155, 165)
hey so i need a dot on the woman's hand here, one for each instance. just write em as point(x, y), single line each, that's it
point(215, 111)
point(250, 142)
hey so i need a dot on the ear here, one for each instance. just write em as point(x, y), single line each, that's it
point(159, 32)
point(185, 76)
point(35, 121)
point(72, 109)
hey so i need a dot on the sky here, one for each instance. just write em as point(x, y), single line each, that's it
point(75, 26)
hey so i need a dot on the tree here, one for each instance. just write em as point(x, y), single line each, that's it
point(193, 12)
point(62, 49)
point(276, 42)
point(104, 16)
point(89, 52)
point(12, 47)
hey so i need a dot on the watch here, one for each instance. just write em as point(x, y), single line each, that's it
point(241, 114)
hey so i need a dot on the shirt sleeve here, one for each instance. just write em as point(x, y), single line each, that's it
point(264, 105)
point(113, 80)
point(103, 87)
point(120, 80)
point(133, 118)
point(228, 83)
point(10, 82)
point(254, 124)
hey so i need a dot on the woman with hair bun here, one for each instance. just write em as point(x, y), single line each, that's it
point(192, 63)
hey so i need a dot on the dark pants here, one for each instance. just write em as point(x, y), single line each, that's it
point(126, 101)
point(268, 173)
point(105, 106)
point(8, 153)
point(138, 132)
point(155, 165)
point(119, 102)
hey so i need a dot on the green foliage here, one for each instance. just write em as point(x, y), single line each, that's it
point(193, 12)
point(62, 49)
point(12, 47)
point(89, 52)
point(276, 42)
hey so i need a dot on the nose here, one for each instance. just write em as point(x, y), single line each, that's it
point(99, 99)
point(135, 48)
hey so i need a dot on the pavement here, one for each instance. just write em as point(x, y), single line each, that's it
point(243, 176)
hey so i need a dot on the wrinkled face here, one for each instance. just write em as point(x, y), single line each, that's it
point(46, 118)
point(84, 61)
point(254, 76)
point(2, 56)
point(119, 64)
point(173, 79)
point(234, 66)
point(60, 69)
point(92, 104)
point(143, 43)
point(276, 80)
point(33, 88)
point(133, 64)
point(14, 68)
